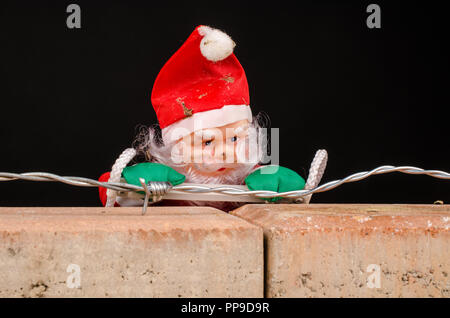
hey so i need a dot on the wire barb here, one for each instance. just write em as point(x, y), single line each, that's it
point(155, 189)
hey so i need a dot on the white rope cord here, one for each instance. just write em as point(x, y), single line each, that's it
point(316, 172)
point(116, 172)
point(229, 190)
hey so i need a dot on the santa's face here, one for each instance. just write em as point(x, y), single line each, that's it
point(216, 154)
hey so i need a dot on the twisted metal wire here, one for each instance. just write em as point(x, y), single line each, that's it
point(229, 190)
point(156, 189)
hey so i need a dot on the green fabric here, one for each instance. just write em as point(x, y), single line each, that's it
point(152, 171)
point(274, 178)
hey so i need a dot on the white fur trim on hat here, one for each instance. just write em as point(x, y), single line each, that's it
point(215, 45)
point(205, 120)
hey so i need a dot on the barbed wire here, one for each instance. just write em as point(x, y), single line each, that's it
point(228, 190)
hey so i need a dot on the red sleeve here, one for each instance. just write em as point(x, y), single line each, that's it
point(102, 191)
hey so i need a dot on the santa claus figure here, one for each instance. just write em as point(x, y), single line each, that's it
point(207, 133)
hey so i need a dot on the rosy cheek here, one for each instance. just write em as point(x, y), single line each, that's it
point(241, 151)
point(197, 154)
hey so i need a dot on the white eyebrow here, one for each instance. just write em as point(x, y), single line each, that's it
point(206, 133)
point(240, 129)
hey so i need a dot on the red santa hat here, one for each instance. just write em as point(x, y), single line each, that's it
point(202, 86)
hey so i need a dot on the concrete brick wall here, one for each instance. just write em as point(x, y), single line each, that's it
point(354, 250)
point(170, 252)
point(270, 250)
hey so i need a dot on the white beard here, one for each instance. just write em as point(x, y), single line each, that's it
point(235, 176)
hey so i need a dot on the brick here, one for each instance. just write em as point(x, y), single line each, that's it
point(169, 252)
point(324, 250)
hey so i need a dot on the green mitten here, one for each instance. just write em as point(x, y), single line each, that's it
point(152, 171)
point(274, 178)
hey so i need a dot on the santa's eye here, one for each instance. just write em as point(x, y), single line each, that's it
point(207, 143)
point(234, 139)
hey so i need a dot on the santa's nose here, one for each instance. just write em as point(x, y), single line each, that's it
point(225, 154)
point(219, 153)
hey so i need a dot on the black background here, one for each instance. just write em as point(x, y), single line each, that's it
point(71, 99)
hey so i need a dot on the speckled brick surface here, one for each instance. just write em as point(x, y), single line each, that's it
point(324, 250)
point(169, 252)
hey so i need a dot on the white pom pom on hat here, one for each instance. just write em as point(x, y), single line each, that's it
point(216, 45)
